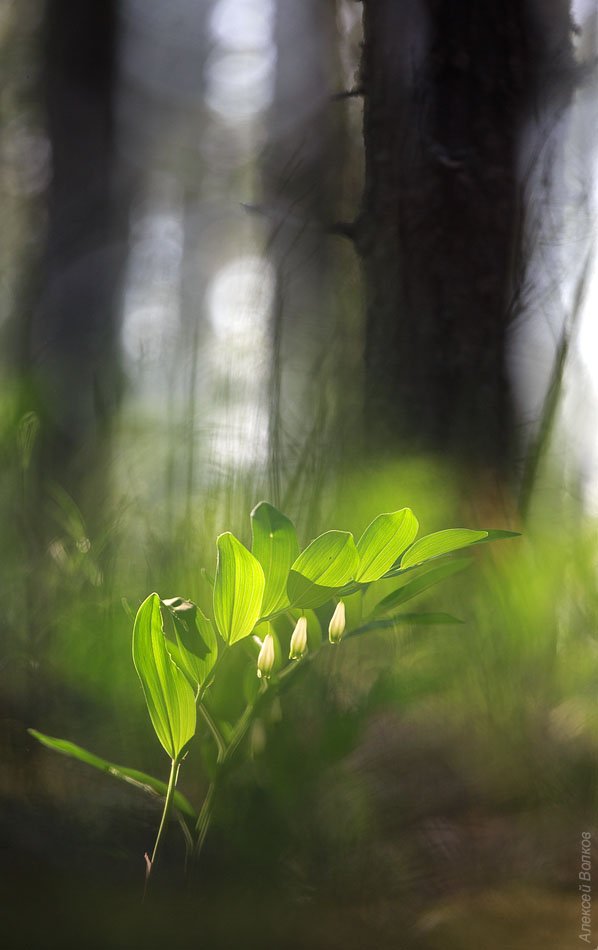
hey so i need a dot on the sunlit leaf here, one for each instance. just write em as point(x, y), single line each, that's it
point(184, 613)
point(422, 582)
point(275, 546)
point(238, 589)
point(168, 695)
point(383, 541)
point(327, 564)
point(196, 641)
point(441, 542)
point(133, 777)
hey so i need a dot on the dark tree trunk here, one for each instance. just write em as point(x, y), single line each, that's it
point(450, 91)
point(72, 346)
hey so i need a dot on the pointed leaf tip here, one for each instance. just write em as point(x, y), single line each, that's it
point(440, 542)
point(383, 542)
point(131, 776)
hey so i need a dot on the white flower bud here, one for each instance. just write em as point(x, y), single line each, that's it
point(337, 624)
point(299, 639)
point(265, 660)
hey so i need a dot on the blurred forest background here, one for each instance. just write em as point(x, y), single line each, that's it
point(337, 255)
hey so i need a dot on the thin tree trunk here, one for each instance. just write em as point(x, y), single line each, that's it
point(72, 346)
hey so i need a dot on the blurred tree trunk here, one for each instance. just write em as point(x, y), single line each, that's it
point(71, 348)
point(451, 91)
point(301, 183)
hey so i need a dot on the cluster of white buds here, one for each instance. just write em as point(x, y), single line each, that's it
point(299, 640)
point(298, 644)
point(337, 624)
point(265, 660)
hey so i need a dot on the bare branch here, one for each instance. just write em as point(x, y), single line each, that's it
point(354, 93)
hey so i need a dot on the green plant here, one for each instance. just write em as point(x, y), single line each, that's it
point(268, 603)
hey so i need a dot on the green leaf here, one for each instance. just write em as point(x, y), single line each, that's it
point(139, 779)
point(423, 619)
point(238, 589)
point(184, 614)
point(441, 542)
point(275, 546)
point(196, 641)
point(383, 541)
point(422, 582)
point(327, 563)
point(498, 534)
point(168, 695)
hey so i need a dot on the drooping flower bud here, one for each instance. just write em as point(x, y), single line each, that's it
point(265, 660)
point(299, 640)
point(337, 624)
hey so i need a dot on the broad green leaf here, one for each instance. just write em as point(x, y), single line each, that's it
point(441, 542)
point(488, 538)
point(238, 589)
point(383, 541)
point(422, 582)
point(139, 779)
point(184, 614)
point(327, 563)
point(176, 656)
point(305, 593)
point(168, 695)
point(275, 546)
point(196, 642)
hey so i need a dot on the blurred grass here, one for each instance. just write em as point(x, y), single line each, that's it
point(410, 784)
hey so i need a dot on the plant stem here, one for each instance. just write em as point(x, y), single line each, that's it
point(205, 815)
point(172, 780)
point(241, 728)
point(216, 735)
point(227, 752)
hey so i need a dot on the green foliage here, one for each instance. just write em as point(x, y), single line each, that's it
point(383, 542)
point(441, 542)
point(266, 601)
point(421, 582)
point(326, 565)
point(169, 697)
point(147, 783)
point(238, 589)
point(275, 546)
point(196, 648)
